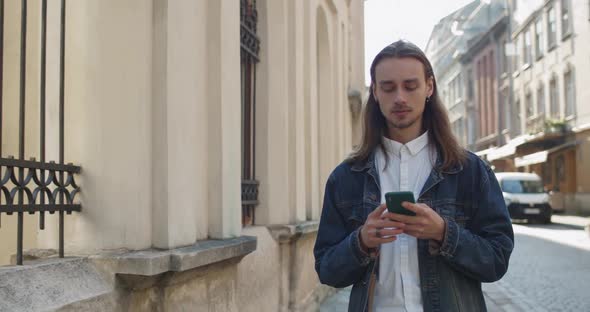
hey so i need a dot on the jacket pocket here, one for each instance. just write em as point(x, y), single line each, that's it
point(352, 212)
point(451, 209)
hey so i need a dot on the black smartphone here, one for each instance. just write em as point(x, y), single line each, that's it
point(394, 202)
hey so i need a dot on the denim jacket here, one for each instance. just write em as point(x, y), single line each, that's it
point(476, 248)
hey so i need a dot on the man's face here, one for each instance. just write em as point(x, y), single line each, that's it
point(401, 90)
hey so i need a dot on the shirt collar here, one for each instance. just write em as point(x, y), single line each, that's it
point(414, 146)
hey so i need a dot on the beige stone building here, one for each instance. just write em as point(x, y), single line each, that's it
point(203, 132)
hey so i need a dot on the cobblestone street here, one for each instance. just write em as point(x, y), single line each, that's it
point(549, 271)
point(551, 265)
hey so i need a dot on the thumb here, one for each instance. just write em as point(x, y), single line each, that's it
point(378, 211)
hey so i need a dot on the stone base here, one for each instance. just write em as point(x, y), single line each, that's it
point(271, 270)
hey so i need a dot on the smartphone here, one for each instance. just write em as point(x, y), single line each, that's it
point(394, 202)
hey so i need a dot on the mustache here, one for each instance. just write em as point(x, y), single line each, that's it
point(400, 108)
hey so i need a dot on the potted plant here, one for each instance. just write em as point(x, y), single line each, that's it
point(555, 126)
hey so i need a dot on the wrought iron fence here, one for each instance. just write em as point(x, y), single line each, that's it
point(31, 186)
point(250, 45)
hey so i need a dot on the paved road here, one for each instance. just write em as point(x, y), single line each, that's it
point(549, 271)
point(551, 265)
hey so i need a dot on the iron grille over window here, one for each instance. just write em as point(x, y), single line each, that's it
point(250, 45)
point(29, 185)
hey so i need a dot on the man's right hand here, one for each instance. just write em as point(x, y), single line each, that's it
point(378, 230)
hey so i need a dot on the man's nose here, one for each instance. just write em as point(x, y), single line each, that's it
point(400, 97)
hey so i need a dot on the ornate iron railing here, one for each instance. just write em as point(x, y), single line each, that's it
point(249, 200)
point(250, 46)
point(31, 186)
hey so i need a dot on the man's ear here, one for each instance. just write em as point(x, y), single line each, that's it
point(430, 86)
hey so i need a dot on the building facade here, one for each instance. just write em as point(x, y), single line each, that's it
point(201, 135)
point(550, 119)
point(524, 107)
point(465, 83)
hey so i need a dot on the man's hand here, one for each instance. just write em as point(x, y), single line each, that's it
point(427, 224)
point(378, 229)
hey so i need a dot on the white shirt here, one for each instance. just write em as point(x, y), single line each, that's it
point(408, 168)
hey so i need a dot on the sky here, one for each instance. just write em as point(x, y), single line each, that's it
point(389, 20)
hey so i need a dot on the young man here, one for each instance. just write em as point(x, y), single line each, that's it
point(461, 235)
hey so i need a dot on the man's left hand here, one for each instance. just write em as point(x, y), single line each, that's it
point(427, 224)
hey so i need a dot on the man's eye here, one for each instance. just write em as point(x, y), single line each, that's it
point(387, 90)
point(411, 88)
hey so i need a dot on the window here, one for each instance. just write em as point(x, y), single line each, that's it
point(554, 98)
point(249, 48)
point(540, 100)
point(528, 99)
point(502, 112)
point(518, 126)
point(527, 56)
point(568, 83)
point(469, 84)
point(566, 23)
point(522, 186)
point(460, 86)
point(508, 114)
point(516, 65)
point(539, 37)
point(551, 28)
point(504, 56)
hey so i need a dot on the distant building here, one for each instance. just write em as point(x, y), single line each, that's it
point(450, 40)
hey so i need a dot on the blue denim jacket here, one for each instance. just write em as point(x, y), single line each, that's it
point(476, 248)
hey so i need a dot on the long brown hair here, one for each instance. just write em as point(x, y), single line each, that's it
point(434, 119)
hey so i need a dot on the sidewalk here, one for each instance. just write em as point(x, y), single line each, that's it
point(574, 221)
point(571, 220)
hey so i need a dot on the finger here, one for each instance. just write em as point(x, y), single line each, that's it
point(415, 234)
point(414, 228)
point(398, 217)
point(416, 208)
point(378, 211)
point(386, 240)
point(390, 232)
point(386, 223)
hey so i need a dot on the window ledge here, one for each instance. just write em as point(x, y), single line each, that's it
point(50, 284)
point(288, 232)
point(152, 262)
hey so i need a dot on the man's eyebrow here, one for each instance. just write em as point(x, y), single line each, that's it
point(389, 82)
point(414, 80)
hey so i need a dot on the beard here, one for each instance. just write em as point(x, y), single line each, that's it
point(402, 124)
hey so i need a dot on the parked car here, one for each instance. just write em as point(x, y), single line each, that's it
point(524, 196)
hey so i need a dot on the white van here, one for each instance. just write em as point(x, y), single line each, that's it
point(524, 196)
